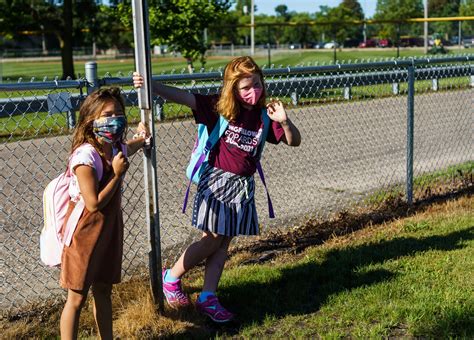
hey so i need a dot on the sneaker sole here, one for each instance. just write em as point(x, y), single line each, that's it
point(215, 320)
point(176, 305)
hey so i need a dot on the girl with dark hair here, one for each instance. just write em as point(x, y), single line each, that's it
point(98, 163)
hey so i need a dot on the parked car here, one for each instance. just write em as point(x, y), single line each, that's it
point(331, 44)
point(384, 43)
point(319, 45)
point(468, 42)
point(351, 43)
point(368, 43)
point(295, 46)
point(411, 41)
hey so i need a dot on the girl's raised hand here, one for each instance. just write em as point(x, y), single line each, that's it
point(119, 164)
point(137, 80)
point(276, 111)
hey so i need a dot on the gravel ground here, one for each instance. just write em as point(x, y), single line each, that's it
point(348, 150)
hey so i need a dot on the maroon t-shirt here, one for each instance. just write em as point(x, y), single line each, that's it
point(236, 150)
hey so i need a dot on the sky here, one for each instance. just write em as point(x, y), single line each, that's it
point(268, 6)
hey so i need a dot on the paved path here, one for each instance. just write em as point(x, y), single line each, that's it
point(348, 149)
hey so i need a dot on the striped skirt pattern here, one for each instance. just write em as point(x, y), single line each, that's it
point(224, 204)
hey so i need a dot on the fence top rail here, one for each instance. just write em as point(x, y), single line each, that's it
point(303, 69)
point(217, 75)
point(43, 85)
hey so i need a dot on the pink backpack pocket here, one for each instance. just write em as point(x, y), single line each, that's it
point(55, 205)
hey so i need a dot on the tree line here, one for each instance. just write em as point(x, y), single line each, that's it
point(191, 27)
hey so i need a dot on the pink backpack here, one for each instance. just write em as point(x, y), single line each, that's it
point(56, 199)
point(55, 205)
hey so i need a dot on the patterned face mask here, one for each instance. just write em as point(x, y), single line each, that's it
point(109, 129)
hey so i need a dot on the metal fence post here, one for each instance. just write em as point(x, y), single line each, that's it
point(347, 93)
point(410, 131)
point(294, 98)
point(159, 109)
point(71, 119)
point(91, 76)
point(396, 88)
point(143, 65)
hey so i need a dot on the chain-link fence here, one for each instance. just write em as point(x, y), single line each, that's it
point(370, 132)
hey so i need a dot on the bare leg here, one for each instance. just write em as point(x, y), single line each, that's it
point(196, 252)
point(215, 265)
point(103, 309)
point(69, 323)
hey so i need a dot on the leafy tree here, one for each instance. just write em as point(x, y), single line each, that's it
point(282, 12)
point(467, 9)
point(38, 16)
point(398, 10)
point(240, 4)
point(443, 8)
point(41, 16)
point(349, 10)
point(108, 30)
point(272, 33)
point(65, 38)
point(224, 29)
point(180, 24)
point(302, 34)
point(355, 7)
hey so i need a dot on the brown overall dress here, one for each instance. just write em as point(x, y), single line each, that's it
point(95, 253)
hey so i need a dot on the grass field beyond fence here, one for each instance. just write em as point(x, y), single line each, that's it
point(24, 69)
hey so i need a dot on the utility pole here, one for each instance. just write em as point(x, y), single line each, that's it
point(252, 28)
point(425, 25)
point(460, 28)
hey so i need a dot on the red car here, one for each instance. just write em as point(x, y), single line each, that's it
point(384, 43)
point(368, 43)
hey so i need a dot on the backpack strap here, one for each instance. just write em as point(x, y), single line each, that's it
point(271, 213)
point(215, 135)
point(266, 127)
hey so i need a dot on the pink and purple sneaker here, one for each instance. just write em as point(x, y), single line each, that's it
point(173, 293)
point(214, 310)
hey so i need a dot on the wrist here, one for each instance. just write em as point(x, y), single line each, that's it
point(116, 176)
point(285, 122)
point(139, 135)
point(144, 140)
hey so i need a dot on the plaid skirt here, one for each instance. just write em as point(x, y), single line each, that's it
point(224, 204)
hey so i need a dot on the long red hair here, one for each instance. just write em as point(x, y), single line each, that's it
point(238, 68)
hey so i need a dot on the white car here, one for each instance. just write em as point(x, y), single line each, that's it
point(331, 44)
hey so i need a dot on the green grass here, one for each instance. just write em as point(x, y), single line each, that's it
point(12, 71)
point(414, 278)
point(449, 175)
point(403, 279)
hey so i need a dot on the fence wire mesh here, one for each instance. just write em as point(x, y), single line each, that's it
point(353, 122)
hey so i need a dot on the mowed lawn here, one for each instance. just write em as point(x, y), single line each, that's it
point(411, 277)
point(13, 70)
point(408, 278)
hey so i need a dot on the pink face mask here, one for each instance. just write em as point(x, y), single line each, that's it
point(251, 96)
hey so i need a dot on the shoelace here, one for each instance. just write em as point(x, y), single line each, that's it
point(180, 295)
point(219, 308)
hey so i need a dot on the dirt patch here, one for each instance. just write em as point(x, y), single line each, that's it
point(315, 232)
